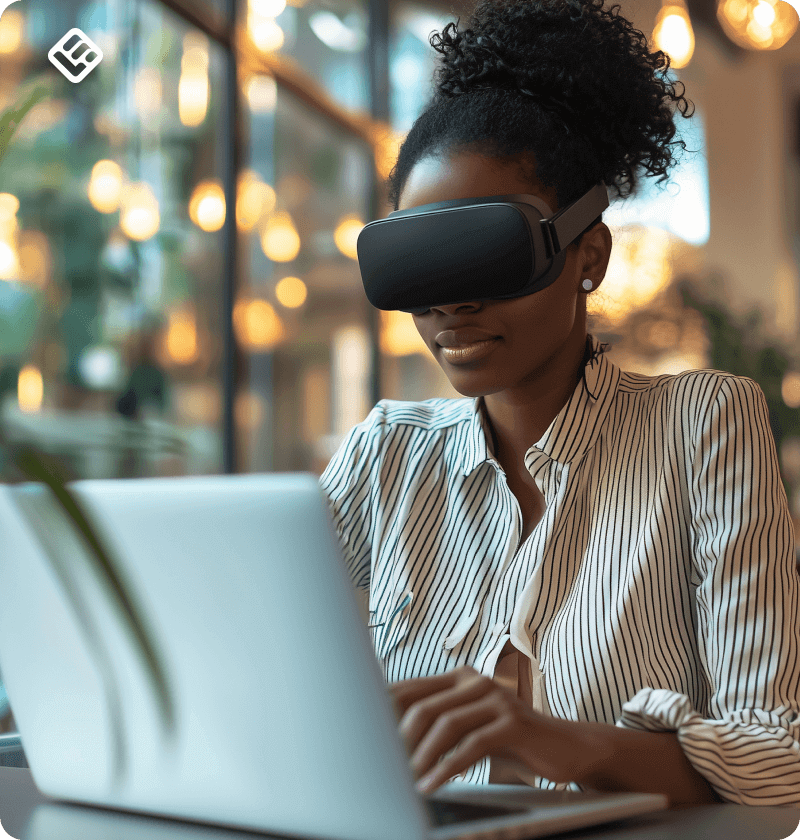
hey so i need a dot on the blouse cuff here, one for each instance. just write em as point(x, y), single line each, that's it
point(662, 710)
point(658, 710)
point(719, 749)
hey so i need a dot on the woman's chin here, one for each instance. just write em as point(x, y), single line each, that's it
point(474, 391)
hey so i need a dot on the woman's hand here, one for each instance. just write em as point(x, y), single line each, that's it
point(473, 715)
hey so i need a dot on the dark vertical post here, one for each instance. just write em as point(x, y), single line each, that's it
point(231, 121)
point(378, 52)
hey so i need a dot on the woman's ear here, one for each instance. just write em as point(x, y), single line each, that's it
point(594, 253)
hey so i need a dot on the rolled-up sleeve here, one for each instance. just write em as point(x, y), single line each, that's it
point(748, 612)
point(350, 483)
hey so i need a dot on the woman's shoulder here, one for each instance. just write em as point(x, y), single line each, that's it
point(388, 422)
point(690, 382)
point(690, 399)
point(431, 414)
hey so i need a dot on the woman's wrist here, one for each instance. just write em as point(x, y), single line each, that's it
point(594, 748)
point(573, 751)
point(622, 759)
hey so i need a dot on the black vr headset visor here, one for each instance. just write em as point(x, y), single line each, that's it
point(489, 248)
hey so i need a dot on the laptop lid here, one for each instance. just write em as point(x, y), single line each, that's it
point(282, 720)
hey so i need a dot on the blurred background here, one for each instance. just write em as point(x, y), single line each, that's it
point(179, 287)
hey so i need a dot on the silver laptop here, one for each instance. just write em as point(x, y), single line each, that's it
point(251, 696)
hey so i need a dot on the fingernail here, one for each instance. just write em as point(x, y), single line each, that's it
point(425, 783)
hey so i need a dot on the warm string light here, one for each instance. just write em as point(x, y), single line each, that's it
point(790, 389)
point(9, 229)
point(249, 410)
point(262, 93)
point(346, 235)
point(291, 292)
point(181, 345)
point(262, 27)
point(399, 335)
point(35, 258)
point(207, 205)
point(752, 24)
point(386, 145)
point(280, 240)
point(139, 218)
point(257, 325)
point(12, 30)
point(148, 92)
point(757, 24)
point(105, 186)
point(673, 33)
point(254, 200)
point(193, 85)
point(30, 389)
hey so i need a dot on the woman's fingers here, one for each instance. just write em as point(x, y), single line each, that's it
point(407, 692)
point(487, 740)
point(450, 721)
point(452, 727)
point(422, 713)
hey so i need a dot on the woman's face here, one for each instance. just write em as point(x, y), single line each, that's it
point(532, 329)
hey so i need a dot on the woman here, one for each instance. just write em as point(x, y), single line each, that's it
point(578, 577)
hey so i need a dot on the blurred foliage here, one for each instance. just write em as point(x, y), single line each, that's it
point(27, 462)
point(692, 313)
point(11, 118)
point(740, 346)
point(20, 310)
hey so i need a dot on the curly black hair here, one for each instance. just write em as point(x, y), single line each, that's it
point(562, 84)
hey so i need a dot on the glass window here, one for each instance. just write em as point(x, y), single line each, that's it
point(301, 316)
point(412, 60)
point(679, 205)
point(408, 369)
point(327, 39)
point(111, 263)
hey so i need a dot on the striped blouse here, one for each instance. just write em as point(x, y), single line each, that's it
point(658, 591)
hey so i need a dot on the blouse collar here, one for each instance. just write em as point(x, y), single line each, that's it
point(573, 431)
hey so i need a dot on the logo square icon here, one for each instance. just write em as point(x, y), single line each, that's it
point(75, 55)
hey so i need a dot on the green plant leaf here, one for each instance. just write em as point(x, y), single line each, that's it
point(38, 467)
point(11, 119)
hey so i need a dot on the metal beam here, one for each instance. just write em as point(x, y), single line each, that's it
point(380, 103)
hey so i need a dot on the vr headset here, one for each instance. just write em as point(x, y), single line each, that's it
point(490, 248)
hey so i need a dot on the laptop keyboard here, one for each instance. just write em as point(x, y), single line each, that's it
point(447, 812)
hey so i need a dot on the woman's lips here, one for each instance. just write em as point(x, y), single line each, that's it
point(463, 337)
point(469, 352)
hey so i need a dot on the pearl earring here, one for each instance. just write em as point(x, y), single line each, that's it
point(588, 285)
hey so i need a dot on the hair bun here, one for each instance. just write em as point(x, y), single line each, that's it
point(475, 62)
point(566, 84)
